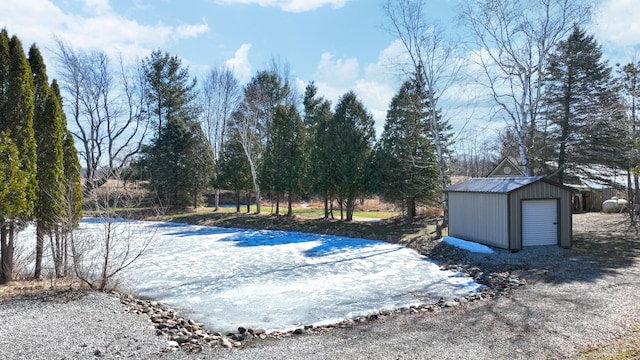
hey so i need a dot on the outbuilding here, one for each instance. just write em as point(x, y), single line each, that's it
point(511, 212)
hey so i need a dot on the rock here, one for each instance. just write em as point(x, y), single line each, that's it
point(298, 331)
point(242, 330)
point(257, 331)
point(172, 344)
point(226, 343)
point(451, 303)
point(181, 339)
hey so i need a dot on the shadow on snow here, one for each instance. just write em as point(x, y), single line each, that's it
point(329, 244)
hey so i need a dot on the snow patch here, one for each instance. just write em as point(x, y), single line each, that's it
point(467, 245)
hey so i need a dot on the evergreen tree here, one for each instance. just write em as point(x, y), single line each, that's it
point(73, 187)
point(233, 170)
point(13, 201)
point(180, 159)
point(179, 163)
point(282, 163)
point(352, 133)
point(16, 120)
point(170, 91)
point(405, 156)
point(48, 130)
point(582, 106)
point(317, 116)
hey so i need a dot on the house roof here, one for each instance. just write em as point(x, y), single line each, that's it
point(500, 184)
point(505, 168)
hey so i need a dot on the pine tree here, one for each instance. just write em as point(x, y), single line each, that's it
point(170, 91)
point(282, 163)
point(352, 134)
point(582, 106)
point(405, 156)
point(180, 163)
point(233, 169)
point(317, 115)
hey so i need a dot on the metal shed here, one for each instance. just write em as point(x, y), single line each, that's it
point(511, 212)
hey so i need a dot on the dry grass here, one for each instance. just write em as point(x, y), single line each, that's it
point(36, 287)
point(624, 348)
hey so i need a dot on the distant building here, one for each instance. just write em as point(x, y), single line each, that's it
point(505, 168)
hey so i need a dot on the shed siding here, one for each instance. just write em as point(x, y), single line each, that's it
point(541, 190)
point(479, 217)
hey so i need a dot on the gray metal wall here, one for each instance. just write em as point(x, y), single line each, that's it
point(541, 190)
point(480, 217)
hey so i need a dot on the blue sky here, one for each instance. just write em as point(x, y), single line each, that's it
point(339, 44)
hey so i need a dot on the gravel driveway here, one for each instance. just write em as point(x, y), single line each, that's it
point(574, 299)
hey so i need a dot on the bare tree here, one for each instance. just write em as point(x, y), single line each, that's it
point(436, 63)
point(110, 120)
point(98, 257)
point(512, 41)
point(252, 122)
point(222, 94)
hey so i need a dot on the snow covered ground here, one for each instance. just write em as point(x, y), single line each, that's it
point(279, 280)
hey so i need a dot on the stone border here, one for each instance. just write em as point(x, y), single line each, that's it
point(188, 335)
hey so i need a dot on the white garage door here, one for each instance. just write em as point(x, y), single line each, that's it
point(539, 222)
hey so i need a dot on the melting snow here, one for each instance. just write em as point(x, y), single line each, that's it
point(467, 245)
point(279, 280)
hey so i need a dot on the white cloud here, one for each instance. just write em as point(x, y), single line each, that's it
point(616, 22)
point(97, 26)
point(339, 72)
point(375, 88)
point(97, 7)
point(240, 64)
point(294, 6)
point(189, 31)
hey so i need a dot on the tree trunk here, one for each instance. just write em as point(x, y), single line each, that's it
point(237, 201)
point(326, 205)
point(277, 203)
point(350, 204)
point(39, 249)
point(6, 252)
point(248, 202)
point(411, 205)
point(65, 246)
point(4, 268)
point(442, 166)
point(216, 200)
point(331, 208)
point(290, 205)
point(636, 192)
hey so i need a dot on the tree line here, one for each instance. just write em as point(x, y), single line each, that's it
point(40, 172)
point(265, 137)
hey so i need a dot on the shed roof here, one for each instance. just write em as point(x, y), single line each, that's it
point(500, 184)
